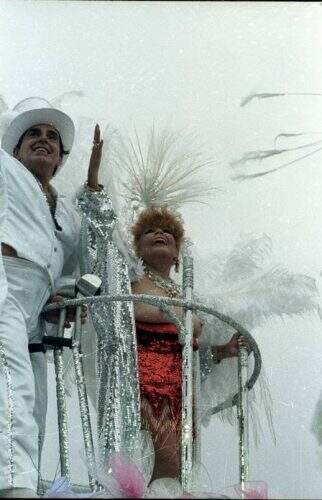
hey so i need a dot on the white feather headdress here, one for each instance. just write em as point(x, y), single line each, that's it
point(164, 171)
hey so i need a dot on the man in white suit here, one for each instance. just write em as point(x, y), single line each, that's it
point(39, 241)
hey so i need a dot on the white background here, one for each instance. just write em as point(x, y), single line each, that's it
point(188, 65)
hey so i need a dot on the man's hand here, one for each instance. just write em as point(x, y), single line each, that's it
point(95, 160)
point(53, 316)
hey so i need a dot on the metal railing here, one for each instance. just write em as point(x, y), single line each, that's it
point(165, 304)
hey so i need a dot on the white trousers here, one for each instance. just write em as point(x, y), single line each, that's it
point(23, 377)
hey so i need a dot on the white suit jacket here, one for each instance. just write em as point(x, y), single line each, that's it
point(26, 223)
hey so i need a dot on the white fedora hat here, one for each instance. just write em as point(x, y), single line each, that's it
point(35, 111)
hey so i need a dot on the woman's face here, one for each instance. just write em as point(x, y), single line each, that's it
point(157, 243)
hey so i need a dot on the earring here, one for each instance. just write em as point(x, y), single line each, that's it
point(176, 265)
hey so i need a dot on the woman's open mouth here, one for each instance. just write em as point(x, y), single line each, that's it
point(159, 241)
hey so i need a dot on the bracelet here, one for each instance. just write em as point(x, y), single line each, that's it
point(92, 189)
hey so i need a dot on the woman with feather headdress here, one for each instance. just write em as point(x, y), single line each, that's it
point(156, 366)
point(165, 175)
point(158, 235)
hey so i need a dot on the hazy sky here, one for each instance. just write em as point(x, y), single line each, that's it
point(188, 65)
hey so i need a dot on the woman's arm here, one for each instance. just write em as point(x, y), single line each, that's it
point(95, 161)
point(230, 349)
point(93, 201)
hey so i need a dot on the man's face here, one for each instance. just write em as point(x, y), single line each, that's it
point(40, 151)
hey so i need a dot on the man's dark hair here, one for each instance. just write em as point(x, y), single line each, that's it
point(62, 151)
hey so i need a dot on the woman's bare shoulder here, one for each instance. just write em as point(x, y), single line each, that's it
point(144, 285)
point(140, 285)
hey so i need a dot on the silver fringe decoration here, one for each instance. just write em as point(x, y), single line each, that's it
point(118, 402)
point(10, 410)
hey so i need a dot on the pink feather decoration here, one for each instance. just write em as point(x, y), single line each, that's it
point(129, 478)
point(253, 490)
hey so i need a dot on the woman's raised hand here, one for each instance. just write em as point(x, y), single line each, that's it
point(95, 160)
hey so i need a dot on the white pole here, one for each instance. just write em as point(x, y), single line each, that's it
point(242, 414)
point(187, 379)
point(61, 401)
point(83, 400)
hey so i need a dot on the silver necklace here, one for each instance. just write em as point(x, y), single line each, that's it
point(51, 202)
point(49, 197)
point(168, 285)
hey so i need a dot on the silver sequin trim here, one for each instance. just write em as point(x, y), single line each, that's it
point(10, 409)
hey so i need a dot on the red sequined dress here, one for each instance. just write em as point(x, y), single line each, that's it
point(160, 369)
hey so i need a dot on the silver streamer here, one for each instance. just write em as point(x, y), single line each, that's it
point(7, 375)
point(118, 405)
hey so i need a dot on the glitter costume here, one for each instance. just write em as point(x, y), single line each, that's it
point(118, 406)
point(160, 367)
point(242, 284)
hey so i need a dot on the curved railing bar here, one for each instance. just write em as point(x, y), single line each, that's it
point(164, 303)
